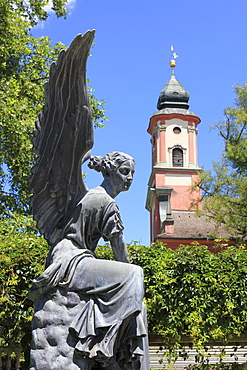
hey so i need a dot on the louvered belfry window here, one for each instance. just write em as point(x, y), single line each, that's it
point(177, 157)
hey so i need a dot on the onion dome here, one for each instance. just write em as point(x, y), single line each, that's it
point(174, 94)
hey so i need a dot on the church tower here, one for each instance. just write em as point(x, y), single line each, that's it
point(173, 130)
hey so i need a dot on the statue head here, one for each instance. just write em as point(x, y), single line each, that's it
point(117, 169)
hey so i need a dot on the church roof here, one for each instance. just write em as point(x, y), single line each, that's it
point(183, 111)
point(173, 95)
point(187, 225)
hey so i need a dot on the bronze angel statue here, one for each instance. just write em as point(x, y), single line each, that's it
point(88, 311)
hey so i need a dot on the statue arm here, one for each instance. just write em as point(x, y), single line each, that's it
point(119, 247)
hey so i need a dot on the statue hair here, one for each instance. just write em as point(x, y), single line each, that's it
point(110, 162)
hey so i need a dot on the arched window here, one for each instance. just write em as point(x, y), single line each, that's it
point(177, 157)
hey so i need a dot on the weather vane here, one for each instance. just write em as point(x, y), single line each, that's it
point(174, 55)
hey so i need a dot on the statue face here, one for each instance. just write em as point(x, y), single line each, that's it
point(122, 177)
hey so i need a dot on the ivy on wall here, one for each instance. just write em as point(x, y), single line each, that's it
point(193, 292)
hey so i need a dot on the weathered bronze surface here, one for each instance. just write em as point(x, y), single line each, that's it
point(88, 312)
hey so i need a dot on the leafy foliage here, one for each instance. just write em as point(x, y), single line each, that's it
point(225, 190)
point(189, 292)
point(24, 67)
point(218, 366)
point(193, 292)
point(22, 258)
point(35, 10)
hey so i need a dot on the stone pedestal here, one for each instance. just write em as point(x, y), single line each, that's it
point(52, 345)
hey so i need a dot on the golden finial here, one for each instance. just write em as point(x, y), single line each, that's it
point(174, 55)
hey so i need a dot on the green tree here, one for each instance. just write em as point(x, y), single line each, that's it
point(24, 67)
point(225, 190)
point(22, 258)
point(35, 10)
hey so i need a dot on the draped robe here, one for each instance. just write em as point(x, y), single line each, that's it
point(110, 321)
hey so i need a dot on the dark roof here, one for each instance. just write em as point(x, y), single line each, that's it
point(173, 95)
point(182, 111)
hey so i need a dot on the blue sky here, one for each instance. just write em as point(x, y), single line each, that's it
point(130, 65)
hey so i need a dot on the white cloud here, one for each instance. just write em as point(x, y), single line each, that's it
point(71, 4)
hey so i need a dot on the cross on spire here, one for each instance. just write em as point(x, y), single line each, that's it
point(174, 55)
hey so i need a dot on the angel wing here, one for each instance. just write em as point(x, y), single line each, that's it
point(62, 138)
